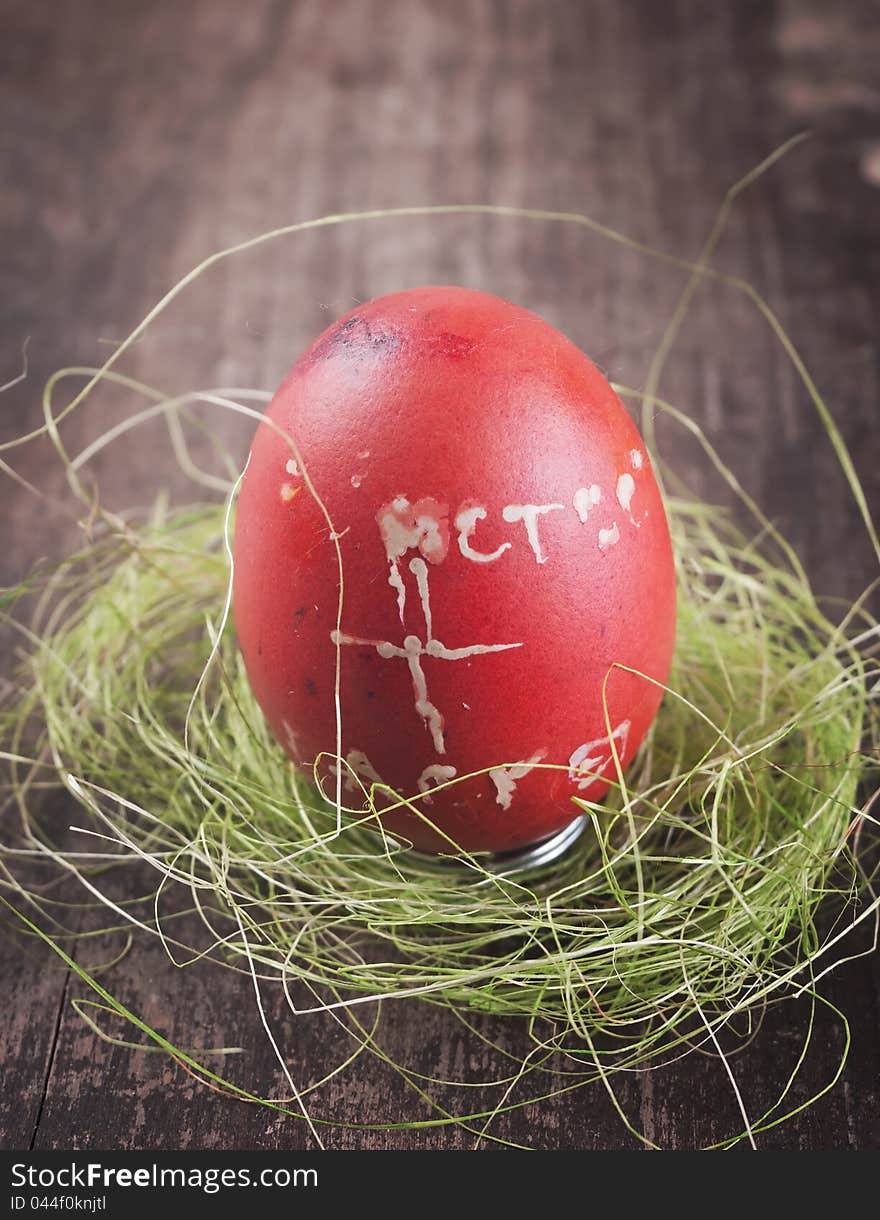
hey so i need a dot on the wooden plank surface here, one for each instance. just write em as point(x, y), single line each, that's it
point(137, 139)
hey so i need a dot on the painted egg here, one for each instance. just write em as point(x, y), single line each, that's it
point(508, 592)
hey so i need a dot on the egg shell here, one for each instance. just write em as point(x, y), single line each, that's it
point(504, 546)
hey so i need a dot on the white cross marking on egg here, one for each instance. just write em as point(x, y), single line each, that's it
point(425, 535)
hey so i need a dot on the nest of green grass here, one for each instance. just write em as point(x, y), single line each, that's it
point(691, 897)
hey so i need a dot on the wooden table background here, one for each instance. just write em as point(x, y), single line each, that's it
point(138, 138)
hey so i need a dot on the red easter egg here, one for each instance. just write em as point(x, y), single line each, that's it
point(504, 546)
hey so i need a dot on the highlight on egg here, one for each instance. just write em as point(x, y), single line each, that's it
point(508, 591)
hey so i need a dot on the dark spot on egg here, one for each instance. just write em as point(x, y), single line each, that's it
point(354, 340)
point(454, 347)
point(311, 689)
point(300, 612)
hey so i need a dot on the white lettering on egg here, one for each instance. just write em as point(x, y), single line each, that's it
point(625, 488)
point(403, 526)
point(356, 767)
point(423, 526)
point(585, 499)
point(432, 777)
point(589, 761)
point(529, 514)
point(608, 538)
point(466, 523)
point(505, 778)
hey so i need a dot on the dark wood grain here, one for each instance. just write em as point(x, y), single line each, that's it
point(137, 139)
